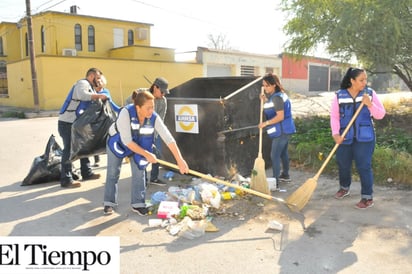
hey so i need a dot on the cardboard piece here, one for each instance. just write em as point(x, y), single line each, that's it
point(167, 209)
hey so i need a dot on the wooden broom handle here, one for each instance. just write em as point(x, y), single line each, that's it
point(337, 145)
point(260, 121)
point(213, 179)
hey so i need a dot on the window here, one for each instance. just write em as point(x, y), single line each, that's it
point(43, 39)
point(78, 37)
point(1, 47)
point(26, 44)
point(90, 38)
point(130, 37)
point(247, 71)
point(3, 78)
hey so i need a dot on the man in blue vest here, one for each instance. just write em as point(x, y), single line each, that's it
point(78, 99)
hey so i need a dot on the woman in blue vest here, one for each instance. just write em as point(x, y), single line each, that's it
point(132, 135)
point(359, 143)
point(279, 125)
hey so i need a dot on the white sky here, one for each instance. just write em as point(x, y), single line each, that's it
point(250, 26)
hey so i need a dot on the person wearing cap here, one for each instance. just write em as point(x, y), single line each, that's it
point(159, 89)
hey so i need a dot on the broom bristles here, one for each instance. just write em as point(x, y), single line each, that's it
point(258, 180)
point(302, 195)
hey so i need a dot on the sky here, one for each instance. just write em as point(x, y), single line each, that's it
point(183, 25)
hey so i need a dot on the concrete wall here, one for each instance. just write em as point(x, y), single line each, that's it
point(56, 75)
point(261, 63)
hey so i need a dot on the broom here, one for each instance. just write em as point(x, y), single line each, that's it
point(258, 181)
point(226, 183)
point(302, 195)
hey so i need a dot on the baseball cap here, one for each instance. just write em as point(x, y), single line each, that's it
point(162, 84)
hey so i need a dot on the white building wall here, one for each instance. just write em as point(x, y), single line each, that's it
point(295, 85)
point(261, 63)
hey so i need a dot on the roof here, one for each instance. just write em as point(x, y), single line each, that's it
point(87, 16)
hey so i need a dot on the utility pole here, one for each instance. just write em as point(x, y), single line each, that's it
point(32, 58)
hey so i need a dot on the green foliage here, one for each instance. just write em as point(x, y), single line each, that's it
point(390, 132)
point(376, 32)
point(312, 143)
point(392, 158)
point(391, 164)
point(13, 114)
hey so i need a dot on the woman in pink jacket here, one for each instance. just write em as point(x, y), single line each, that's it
point(359, 143)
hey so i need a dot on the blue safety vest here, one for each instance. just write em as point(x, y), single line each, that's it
point(362, 129)
point(287, 126)
point(142, 135)
point(79, 109)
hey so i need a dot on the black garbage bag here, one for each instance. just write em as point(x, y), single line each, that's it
point(90, 130)
point(47, 167)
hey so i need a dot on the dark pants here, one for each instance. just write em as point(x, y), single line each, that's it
point(279, 155)
point(157, 150)
point(65, 131)
point(361, 153)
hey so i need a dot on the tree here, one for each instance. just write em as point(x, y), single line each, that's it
point(376, 32)
point(219, 42)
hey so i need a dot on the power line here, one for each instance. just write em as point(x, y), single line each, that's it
point(176, 13)
point(49, 6)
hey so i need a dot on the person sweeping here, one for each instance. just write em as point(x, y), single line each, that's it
point(359, 144)
point(279, 125)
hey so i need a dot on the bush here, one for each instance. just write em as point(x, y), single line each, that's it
point(13, 114)
point(391, 166)
point(392, 158)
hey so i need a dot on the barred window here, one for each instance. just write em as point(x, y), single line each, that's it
point(91, 38)
point(78, 37)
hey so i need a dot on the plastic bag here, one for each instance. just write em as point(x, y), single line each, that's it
point(191, 229)
point(90, 130)
point(47, 167)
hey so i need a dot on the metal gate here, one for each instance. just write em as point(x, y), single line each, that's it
point(318, 78)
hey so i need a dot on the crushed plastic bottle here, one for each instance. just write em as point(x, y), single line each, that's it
point(169, 175)
point(228, 195)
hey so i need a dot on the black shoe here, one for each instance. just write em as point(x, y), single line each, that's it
point(158, 182)
point(93, 176)
point(108, 210)
point(142, 211)
point(71, 185)
point(75, 176)
point(285, 179)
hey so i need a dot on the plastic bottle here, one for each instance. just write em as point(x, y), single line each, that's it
point(169, 175)
point(228, 195)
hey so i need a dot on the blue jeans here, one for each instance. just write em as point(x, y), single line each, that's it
point(279, 154)
point(361, 153)
point(154, 174)
point(65, 132)
point(138, 193)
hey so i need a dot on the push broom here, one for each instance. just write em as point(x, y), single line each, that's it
point(226, 183)
point(302, 195)
point(258, 180)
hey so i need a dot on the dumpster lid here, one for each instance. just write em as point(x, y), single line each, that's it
point(213, 87)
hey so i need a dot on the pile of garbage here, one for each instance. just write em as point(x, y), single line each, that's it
point(184, 212)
